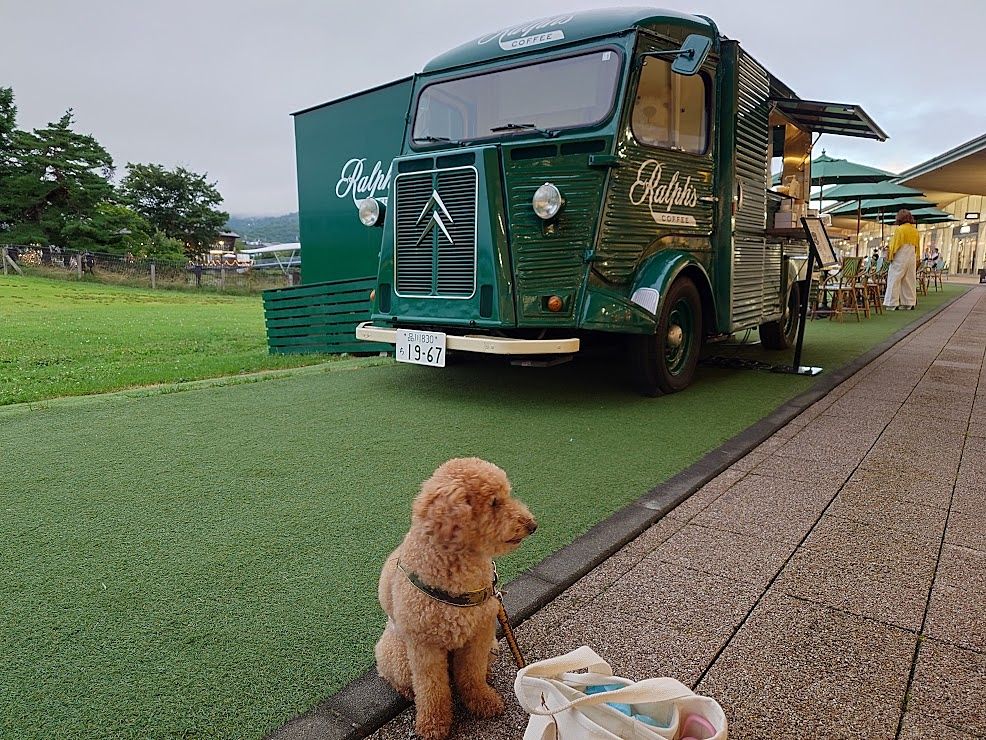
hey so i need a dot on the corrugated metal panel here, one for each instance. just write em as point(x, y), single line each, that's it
point(772, 281)
point(748, 283)
point(751, 144)
point(628, 224)
point(551, 262)
point(319, 318)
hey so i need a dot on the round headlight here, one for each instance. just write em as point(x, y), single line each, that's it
point(547, 201)
point(370, 212)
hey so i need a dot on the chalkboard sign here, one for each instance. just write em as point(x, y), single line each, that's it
point(817, 235)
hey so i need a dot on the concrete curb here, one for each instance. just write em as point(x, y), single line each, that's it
point(367, 703)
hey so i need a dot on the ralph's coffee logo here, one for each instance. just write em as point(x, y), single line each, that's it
point(531, 34)
point(355, 182)
point(661, 196)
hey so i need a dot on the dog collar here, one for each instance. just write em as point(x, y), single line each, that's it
point(466, 599)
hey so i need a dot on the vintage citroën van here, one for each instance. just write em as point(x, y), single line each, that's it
point(604, 171)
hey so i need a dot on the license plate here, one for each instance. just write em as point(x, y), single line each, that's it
point(420, 347)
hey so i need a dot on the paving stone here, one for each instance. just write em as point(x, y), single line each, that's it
point(957, 612)
point(799, 670)
point(948, 694)
point(706, 495)
point(749, 461)
point(612, 569)
point(874, 572)
point(658, 620)
point(967, 530)
point(910, 482)
point(970, 495)
point(928, 423)
point(739, 557)
point(768, 507)
point(831, 469)
point(864, 403)
point(879, 507)
point(940, 460)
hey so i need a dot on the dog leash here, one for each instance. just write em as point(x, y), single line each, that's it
point(504, 621)
point(508, 633)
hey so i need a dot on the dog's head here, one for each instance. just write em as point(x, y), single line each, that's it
point(467, 505)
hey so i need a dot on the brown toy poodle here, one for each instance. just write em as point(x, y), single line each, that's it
point(437, 590)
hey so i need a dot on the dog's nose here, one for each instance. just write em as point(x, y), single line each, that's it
point(531, 526)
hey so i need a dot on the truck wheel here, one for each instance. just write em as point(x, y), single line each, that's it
point(783, 333)
point(664, 362)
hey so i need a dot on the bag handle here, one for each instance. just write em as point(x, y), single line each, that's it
point(583, 657)
point(650, 690)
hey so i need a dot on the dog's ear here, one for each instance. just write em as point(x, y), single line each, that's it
point(442, 511)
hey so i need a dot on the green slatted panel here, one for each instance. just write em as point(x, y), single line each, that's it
point(319, 318)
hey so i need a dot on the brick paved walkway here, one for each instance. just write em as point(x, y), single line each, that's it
point(832, 583)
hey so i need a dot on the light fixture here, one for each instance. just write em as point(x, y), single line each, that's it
point(547, 201)
point(370, 212)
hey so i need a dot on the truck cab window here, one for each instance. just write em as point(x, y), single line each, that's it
point(571, 92)
point(670, 110)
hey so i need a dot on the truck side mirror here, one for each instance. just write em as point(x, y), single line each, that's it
point(691, 56)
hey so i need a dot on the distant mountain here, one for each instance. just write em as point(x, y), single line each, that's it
point(266, 229)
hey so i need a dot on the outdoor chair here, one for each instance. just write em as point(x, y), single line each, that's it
point(844, 294)
point(923, 278)
point(937, 268)
point(872, 296)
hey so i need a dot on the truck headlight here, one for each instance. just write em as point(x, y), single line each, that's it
point(547, 201)
point(370, 212)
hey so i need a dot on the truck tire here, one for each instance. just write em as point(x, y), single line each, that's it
point(664, 362)
point(783, 333)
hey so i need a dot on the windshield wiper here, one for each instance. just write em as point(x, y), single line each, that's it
point(433, 139)
point(523, 127)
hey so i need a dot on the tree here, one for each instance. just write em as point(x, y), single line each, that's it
point(52, 179)
point(181, 204)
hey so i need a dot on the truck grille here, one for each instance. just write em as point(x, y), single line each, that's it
point(435, 233)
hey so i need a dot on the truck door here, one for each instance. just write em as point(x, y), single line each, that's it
point(661, 194)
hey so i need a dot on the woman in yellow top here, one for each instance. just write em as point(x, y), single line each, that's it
point(904, 252)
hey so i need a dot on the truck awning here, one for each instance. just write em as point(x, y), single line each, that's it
point(830, 118)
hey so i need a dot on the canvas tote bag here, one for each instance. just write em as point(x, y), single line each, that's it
point(555, 696)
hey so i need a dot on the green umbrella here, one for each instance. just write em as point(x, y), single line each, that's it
point(881, 205)
point(871, 190)
point(826, 170)
point(923, 216)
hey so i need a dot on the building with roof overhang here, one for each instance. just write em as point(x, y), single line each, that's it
point(956, 181)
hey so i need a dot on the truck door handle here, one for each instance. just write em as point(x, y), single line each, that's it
point(709, 199)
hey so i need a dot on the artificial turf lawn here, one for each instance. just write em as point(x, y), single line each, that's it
point(61, 338)
point(204, 563)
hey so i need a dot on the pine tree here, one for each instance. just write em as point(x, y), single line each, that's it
point(51, 180)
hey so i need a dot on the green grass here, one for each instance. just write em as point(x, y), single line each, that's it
point(204, 562)
point(59, 338)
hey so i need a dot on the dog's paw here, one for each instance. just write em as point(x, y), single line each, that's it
point(433, 726)
point(485, 703)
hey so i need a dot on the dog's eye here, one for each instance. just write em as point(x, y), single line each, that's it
point(494, 502)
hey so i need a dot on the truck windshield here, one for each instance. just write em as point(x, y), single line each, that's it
point(543, 98)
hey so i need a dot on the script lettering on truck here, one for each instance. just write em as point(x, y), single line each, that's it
point(354, 183)
point(650, 189)
point(530, 34)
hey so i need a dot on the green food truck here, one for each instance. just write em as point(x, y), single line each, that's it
point(581, 176)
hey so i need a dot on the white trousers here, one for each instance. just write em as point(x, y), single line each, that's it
point(901, 279)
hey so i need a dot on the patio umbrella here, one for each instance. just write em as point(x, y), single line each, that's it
point(871, 190)
point(826, 170)
point(923, 216)
point(882, 205)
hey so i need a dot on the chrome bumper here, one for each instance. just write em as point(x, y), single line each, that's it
point(487, 345)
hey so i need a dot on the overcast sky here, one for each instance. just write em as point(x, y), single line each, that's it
point(210, 84)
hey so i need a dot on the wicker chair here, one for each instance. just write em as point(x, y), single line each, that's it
point(844, 295)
